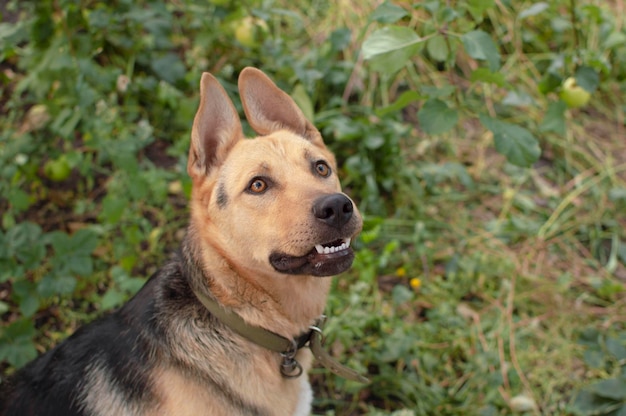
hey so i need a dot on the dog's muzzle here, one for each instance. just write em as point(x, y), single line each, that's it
point(335, 217)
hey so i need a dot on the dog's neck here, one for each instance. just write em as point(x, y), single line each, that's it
point(290, 304)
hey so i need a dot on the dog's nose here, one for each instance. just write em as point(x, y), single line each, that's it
point(335, 209)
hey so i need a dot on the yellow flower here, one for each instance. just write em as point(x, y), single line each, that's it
point(415, 283)
point(400, 272)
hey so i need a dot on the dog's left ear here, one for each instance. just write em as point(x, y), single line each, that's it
point(216, 128)
point(268, 108)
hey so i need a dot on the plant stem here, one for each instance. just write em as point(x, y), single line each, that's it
point(574, 23)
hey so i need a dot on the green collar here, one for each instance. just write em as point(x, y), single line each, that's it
point(288, 348)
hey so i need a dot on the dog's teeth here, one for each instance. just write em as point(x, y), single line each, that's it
point(333, 249)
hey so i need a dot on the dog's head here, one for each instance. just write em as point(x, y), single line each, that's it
point(272, 204)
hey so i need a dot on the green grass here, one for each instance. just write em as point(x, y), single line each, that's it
point(489, 279)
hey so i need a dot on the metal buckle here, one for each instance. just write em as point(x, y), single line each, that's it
point(290, 367)
point(317, 329)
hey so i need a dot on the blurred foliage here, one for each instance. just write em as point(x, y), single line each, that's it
point(483, 139)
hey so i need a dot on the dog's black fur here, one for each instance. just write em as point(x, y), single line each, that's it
point(127, 342)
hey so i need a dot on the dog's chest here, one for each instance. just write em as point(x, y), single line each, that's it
point(305, 399)
point(262, 391)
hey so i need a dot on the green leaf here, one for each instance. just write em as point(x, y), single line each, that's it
point(594, 358)
point(26, 293)
point(477, 8)
point(113, 207)
point(612, 388)
point(16, 343)
point(590, 337)
point(390, 48)
point(69, 126)
point(84, 241)
point(388, 39)
point(614, 40)
point(438, 48)
point(518, 99)
point(621, 411)
point(533, 10)
point(435, 117)
point(169, 94)
point(59, 241)
point(449, 14)
point(554, 119)
point(132, 284)
point(388, 13)
point(18, 199)
point(169, 68)
point(340, 39)
point(345, 129)
point(485, 75)
point(401, 294)
point(587, 78)
point(29, 305)
point(80, 265)
point(24, 242)
point(615, 194)
point(479, 45)
point(401, 102)
point(56, 284)
point(432, 6)
point(73, 253)
point(374, 141)
point(112, 298)
point(437, 92)
point(519, 146)
point(549, 83)
point(588, 403)
point(396, 346)
point(12, 33)
point(301, 97)
point(616, 348)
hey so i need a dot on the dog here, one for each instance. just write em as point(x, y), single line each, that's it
point(221, 328)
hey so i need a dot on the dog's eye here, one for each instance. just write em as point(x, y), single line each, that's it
point(322, 169)
point(257, 186)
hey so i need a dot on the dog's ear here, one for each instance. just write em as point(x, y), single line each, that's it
point(268, 108)
point(216, 128)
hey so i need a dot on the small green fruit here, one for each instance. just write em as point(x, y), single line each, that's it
point(250, 31)
point(573, 95)
point(57, 170)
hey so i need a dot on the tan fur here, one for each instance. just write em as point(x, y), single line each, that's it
point(261, 384)
point(100, 396)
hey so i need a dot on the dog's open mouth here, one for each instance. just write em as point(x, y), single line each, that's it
point(326, 259)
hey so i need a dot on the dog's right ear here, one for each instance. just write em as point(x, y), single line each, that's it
point(216, 128)
point(268, 108)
